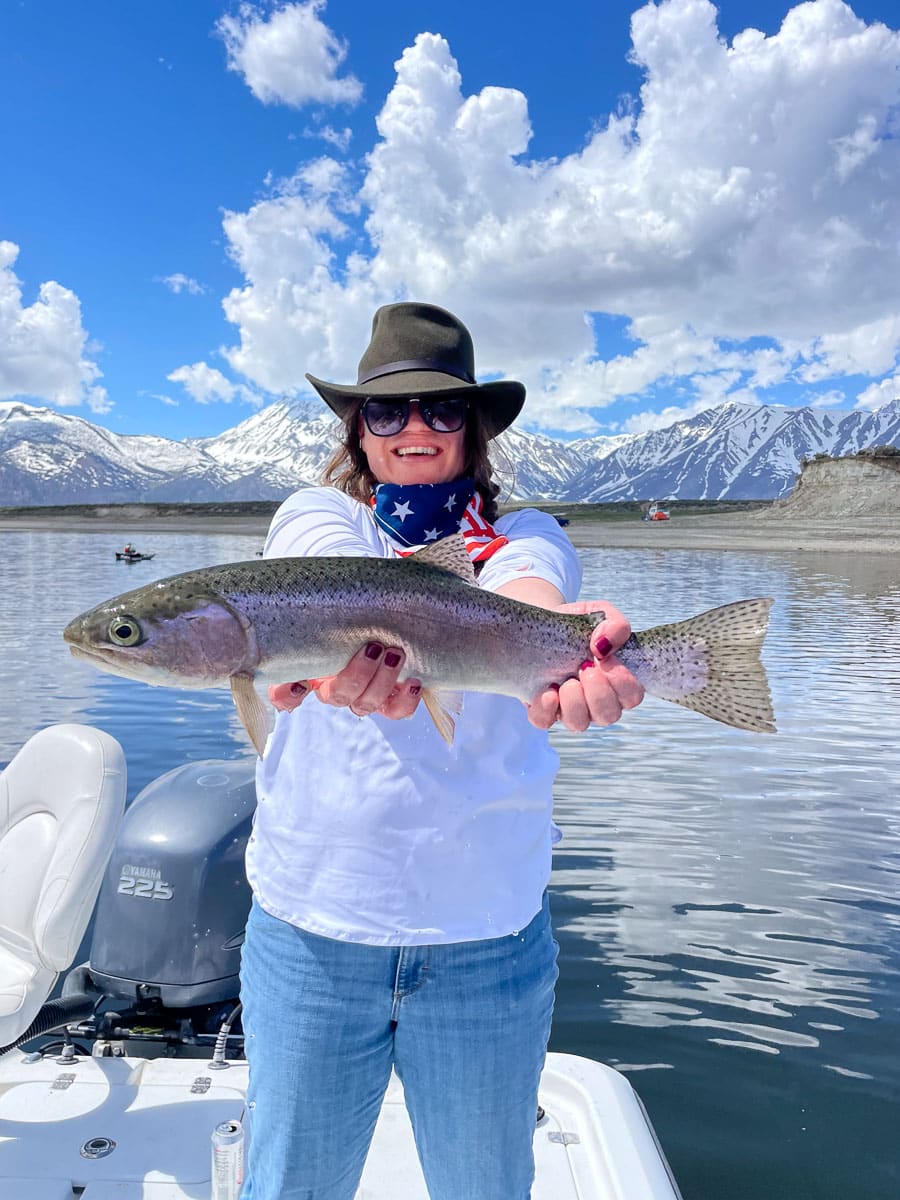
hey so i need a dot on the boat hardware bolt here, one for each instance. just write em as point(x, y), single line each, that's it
point(98, 1147)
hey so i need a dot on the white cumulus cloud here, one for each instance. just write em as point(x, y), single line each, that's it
point(290, 58)
point(179, 283)
point(207, 385)
point(877, 394)
point(339, 138)
point(751, 191)
point(44, 346)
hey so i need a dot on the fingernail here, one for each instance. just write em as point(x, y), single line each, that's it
point(588, 662)
point(415, 689)
point(374, 650)
point(297, 689)
point(554, 687)
point(603, 647)
point(391, 659)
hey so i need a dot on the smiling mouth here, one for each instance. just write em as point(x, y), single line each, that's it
point(417, 451)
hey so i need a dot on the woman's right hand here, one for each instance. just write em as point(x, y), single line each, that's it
point(368, 683)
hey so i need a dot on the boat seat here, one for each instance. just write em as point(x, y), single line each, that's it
point(61, 802)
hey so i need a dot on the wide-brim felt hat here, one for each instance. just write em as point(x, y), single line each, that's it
point(422, 350)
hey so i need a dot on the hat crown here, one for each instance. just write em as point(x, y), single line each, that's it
point(424, 335)
point(422, 350)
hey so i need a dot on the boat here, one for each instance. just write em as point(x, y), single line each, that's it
point(656, 512)
point(116, 1087)
point(131, 556)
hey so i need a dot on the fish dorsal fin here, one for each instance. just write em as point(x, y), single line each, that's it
point(450, 554)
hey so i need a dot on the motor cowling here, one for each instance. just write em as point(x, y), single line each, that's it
point(170, 917)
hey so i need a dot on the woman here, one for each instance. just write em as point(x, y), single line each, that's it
point(400, 916)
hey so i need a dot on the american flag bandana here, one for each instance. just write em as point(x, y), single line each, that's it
point(415, 515)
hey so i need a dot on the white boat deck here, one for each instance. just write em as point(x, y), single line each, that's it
point(594, 1143)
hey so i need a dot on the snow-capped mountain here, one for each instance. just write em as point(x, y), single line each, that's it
point(732, 452)
point(276, 449)
point(47, 457)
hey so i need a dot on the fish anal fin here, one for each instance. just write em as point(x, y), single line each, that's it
point(253, 713)
point(441, 706)
point(450, 554)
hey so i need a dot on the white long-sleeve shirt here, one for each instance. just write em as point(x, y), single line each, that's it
point(375, 830)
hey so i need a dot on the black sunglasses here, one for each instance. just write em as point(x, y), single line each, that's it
point(384, 418)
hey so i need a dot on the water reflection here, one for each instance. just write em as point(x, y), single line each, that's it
point(718, 892)
point(59, 575)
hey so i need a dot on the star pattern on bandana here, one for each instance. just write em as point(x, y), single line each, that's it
point(415, 514)
point(434, 511)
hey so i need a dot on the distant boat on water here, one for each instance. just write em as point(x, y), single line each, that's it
point(656, 512)
point(130, 554)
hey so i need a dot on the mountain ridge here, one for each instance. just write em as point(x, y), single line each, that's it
point(735, 451)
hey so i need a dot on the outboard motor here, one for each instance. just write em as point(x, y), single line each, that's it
point(170, 917)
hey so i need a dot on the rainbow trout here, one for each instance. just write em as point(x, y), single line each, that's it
point(275, 620)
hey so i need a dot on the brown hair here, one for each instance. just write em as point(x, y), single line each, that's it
point(348, 469)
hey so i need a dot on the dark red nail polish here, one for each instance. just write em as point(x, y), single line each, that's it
point(391, 659)
point(297, 689)
point(374, 650)
point(604, 646)
point(415, 689)
point(588, 662)
point(554, 687)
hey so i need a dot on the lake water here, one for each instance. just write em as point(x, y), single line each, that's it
point(726, 903)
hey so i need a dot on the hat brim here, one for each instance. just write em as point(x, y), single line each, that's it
point(499, 403)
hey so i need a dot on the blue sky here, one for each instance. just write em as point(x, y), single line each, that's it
point(641, 211)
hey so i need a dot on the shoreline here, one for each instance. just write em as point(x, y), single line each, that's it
point(751, 532)
point(762, 531)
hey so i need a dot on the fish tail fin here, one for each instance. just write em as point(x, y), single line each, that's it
point(711, 664)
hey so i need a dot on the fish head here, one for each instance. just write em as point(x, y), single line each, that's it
point(169, 633)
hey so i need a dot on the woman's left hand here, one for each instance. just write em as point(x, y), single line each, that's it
point(604, 687)
point(368, 683)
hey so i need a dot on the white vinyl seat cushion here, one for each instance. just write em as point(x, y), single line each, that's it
point(19, 979)
point(61, 803)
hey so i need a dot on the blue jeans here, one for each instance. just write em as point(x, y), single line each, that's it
point(465, 1026)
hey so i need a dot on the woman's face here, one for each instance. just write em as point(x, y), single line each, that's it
point(416, 454)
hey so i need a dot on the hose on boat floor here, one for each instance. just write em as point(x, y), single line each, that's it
point(54, 1015)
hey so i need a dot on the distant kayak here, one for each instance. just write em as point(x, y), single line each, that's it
point(133, 557)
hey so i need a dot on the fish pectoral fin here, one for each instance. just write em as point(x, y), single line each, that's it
point(441, 707)
point(253, 713)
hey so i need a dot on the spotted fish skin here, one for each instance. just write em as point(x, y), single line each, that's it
point(297, 618)
point(276, 620)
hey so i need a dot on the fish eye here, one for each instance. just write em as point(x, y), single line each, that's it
point(125, 631)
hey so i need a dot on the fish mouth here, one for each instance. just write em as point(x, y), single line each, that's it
point(73, 633)
point(77, 650)
point(111, 663)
